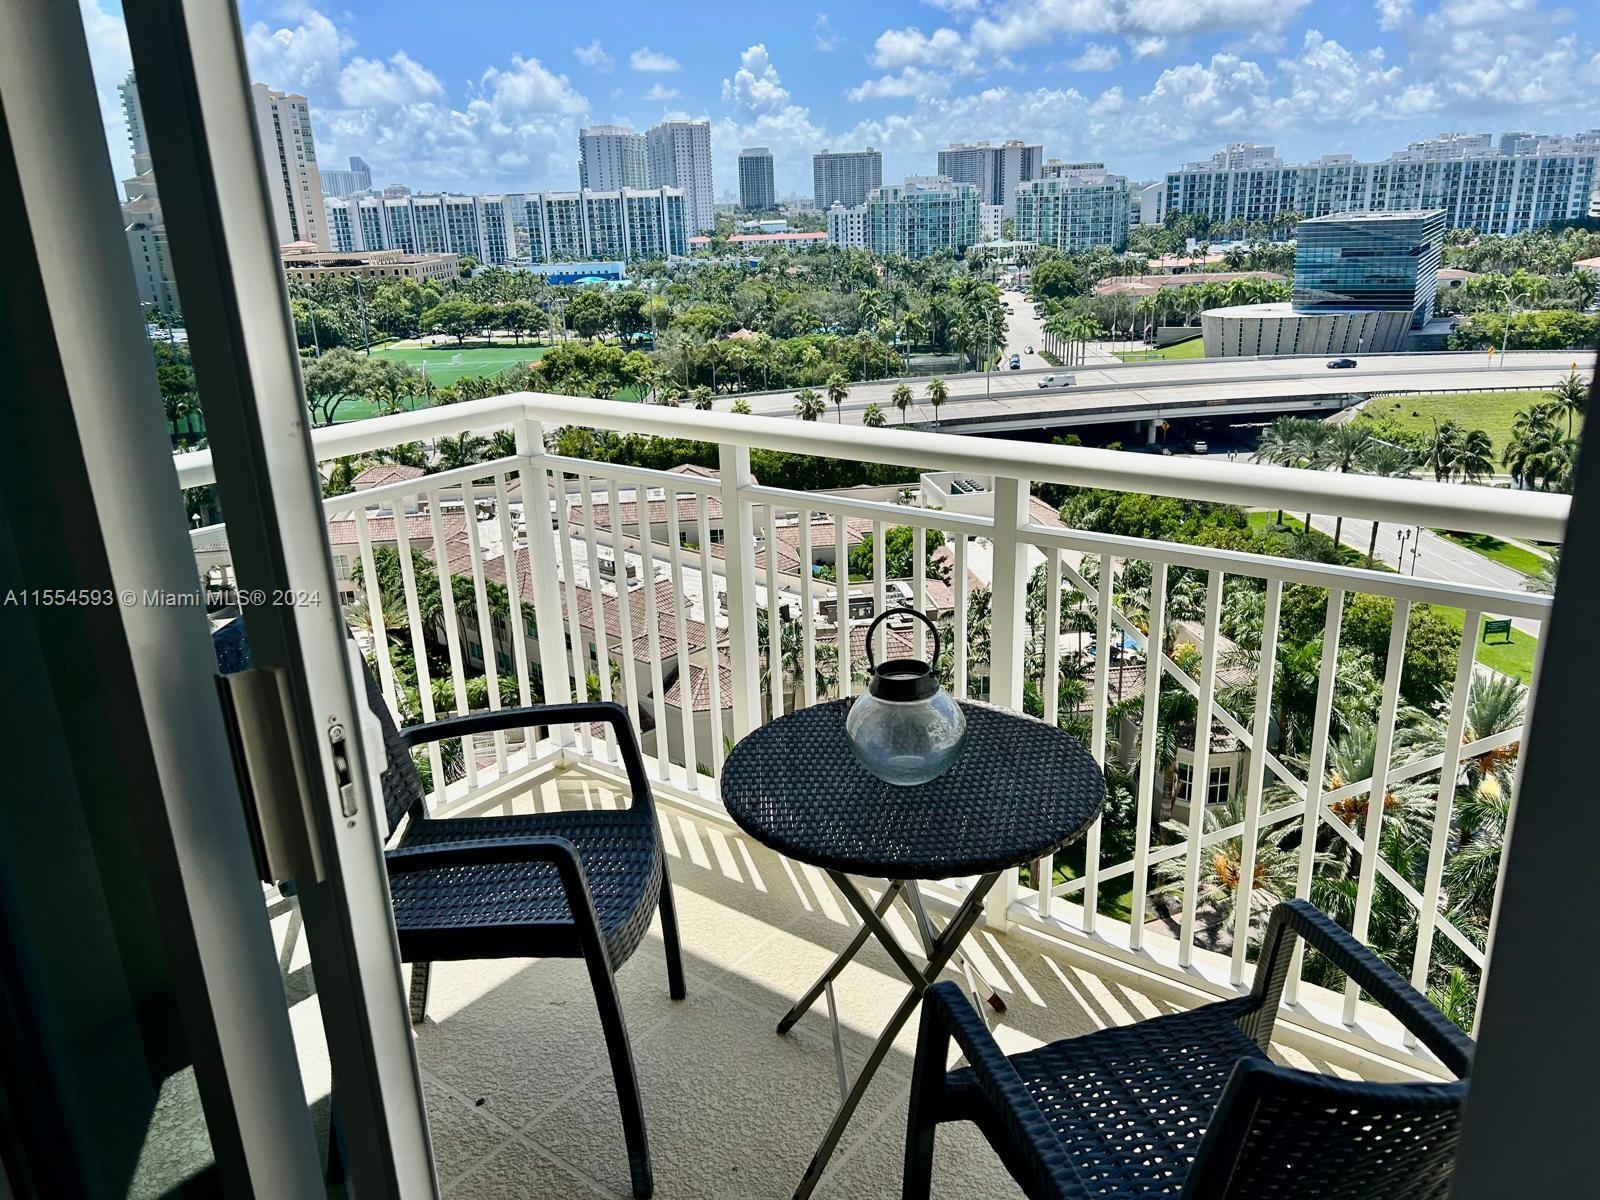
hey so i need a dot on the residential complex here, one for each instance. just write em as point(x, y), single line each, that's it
point(612, 157)
point(283, 126)
point(348, 183)
point(141, 213)
point(757, 192)
point(1524, 182)
point(628, 224)
point(680, 157)
point(848, 226)
point(845, 177)
point(1075, 211)
point(480, 226)
point(1369, 260)
point(923, 216)
point(996, 171)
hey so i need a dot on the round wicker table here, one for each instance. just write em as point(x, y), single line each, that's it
point(1021, 790)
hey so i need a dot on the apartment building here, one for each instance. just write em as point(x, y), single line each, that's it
point(283, 124)
point(921, 217)
point(348, 183)
point(848, 226)
point(625, 225)
point(142, 221)
point(996, 171)
point(845, 177)
point(680, 157)
point(425, 224)
point(1075, 211)
point(1525, 182)
point(757, 191)
point(612, 157)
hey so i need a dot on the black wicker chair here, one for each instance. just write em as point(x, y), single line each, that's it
point(563, 884)
point(1189, 1104)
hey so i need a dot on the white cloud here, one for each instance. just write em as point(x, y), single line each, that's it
point(823, 36)
point(302, 57)
point(646, 59)
point(660, 92)
point(594, 56)
point(911, 81)
point(1096, 56)
point(755, 87)
point(529, 87)
point(1148, 46)
point(1392, 14)
point(366, 82)
point(910, 47)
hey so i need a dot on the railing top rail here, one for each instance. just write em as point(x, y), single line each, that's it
point(1504, 513)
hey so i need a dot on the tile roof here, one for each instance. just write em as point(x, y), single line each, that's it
point(419, 528)
point(379, 474)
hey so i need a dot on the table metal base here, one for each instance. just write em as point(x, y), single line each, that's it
point(940, 947)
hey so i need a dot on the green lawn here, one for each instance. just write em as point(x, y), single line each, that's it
point(446, 364)
point(1495, 550)
point(1195, 347)
point(1491, 412)
point(1514, 658)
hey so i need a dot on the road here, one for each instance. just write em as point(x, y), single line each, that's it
point(1223, 387)
point(1435, 557)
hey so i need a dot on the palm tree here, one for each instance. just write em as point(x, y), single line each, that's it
point(700, 398)
point(1495, 704)
point(1348, 448)
point(938, 393)
point(1222, 865)
point(1569, 397)
point(808, 406)
point(461, 451)
point(1390, 461)
point(901, 396)
point(1538, 455)
point(873, 417)
point(838, 393)
point(1545, 581)
point(741, 406)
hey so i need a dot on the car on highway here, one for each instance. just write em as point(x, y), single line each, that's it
point(1048, 381)
point(1030, 349)
point(1016, 362)
point(1199, 446)
point(1335, 364)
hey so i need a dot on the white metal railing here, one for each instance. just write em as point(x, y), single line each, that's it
point(544, 528)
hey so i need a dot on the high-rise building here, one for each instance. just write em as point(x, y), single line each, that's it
point(757, 192)
point(848, 226)
point(845, 177)
point(625, 225)
point(142, 222)
point(425, 224)
point(680, 157)
point(133, 118)
point(995, 171)
point(1369, 261)
point(1526, 182)
point(283, 124)
point(612, 157)
point(923, 216)
point(1074, 211)
point(347, 183)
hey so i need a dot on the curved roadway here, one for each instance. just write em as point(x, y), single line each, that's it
point(1221, 387)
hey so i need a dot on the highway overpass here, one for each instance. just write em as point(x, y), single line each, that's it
point(1223, 389)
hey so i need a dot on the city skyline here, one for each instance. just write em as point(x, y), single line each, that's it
point(1146, 89)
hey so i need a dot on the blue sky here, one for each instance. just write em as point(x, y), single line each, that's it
point(488, 95)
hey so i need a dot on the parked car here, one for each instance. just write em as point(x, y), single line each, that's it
point(1058, 381)
point(1016, 362)
point(1337, 363)
point(1199, 447)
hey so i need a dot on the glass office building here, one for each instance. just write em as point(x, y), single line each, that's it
point(1372, 261)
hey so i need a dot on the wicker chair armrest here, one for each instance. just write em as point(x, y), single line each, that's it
point(491, 852)
point(531, 716)
point(1299, 918)
point(1034, 1147)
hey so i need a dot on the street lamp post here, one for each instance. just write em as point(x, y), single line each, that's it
point(1400, 559)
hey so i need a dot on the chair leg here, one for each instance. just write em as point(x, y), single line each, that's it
point(623, 1072)
point(922, 1110)
point(669, 936)
point(421, 976)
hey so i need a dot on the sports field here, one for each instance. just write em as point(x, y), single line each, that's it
point(446, 364)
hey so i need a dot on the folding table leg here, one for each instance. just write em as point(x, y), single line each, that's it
point(839, 963)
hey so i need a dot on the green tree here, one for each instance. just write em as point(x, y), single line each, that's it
point(901, 397)
point(838, 393)
point(454, 317)
point(808, 406)
point(938, 393)
point(872, 417)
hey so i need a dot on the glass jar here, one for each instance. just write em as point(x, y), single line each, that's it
point(906, 729)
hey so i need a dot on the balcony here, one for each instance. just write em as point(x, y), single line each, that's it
point(565, 577)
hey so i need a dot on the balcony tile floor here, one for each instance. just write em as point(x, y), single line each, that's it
point(518, 1089)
